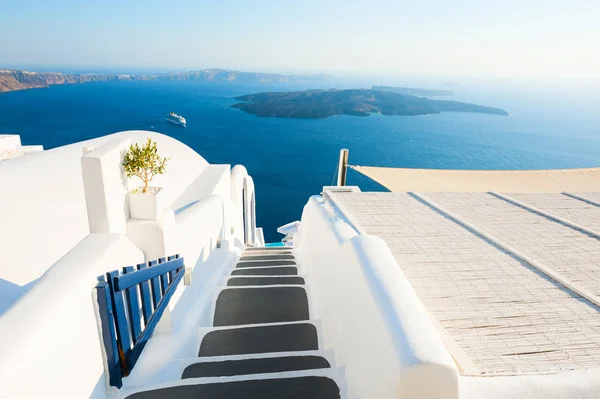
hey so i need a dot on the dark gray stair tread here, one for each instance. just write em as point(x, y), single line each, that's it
point(266, 263)
point(267, 253)
point(267, 271)
point(270, 280)
point(266, 257)
point(282, 248)
point(255, 366)
point(280, 388)
point(257, 254)
point(261, 305)
point(260, 339)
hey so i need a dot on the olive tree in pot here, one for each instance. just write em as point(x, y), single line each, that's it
point(144, 163)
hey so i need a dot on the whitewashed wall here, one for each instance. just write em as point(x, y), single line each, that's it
point(565, 385)
point(42, 204)
point(49, 343)
point(370, 315)
point(238, 174)
point(42, 212)
point(49, 334)
point(198, 228)
point(195, 235)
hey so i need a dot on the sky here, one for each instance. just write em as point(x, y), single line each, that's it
point(479, 38)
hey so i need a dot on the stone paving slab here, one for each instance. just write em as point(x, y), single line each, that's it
point(591, 196)
point(507, 317)
point(569, 252)
point(565, 207)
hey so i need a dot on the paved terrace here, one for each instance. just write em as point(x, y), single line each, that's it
point(512, 280)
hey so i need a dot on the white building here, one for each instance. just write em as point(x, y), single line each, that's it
point(383, 295)
point(10, 147)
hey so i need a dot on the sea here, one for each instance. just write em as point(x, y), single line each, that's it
point(292, 159)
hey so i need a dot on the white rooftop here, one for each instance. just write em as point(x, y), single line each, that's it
point(10, 147)
point(506, 280)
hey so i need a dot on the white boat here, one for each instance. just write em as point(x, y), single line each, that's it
point(176, 119)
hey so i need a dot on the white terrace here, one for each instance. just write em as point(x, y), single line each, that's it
point(513, 290)
point(424, 295)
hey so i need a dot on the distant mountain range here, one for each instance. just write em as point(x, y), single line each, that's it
point(16, 79)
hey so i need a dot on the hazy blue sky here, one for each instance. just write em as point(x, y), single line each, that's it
point(546, 38)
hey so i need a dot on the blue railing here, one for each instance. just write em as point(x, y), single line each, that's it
point(120, 297)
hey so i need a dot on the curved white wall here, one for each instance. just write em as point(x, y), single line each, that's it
point(238, 175)
point(43, 209)
point(370, 315)
point(49, 343)
point(249, 211)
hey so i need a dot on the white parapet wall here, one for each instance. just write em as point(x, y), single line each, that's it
point(243, 212)
point(238, 174)
point(49, 342)
point(371, 317)
point(43, 207)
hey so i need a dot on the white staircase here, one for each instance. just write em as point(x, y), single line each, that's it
point(262, 343)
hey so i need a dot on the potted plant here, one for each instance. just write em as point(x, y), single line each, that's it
point(144, 163)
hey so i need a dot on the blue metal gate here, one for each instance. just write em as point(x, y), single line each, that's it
point(120, 298)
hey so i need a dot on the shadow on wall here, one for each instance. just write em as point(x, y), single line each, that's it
point(11, 292)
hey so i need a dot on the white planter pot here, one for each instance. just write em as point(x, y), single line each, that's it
point(146, 205)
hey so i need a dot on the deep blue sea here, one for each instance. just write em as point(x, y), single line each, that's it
point(292, 159)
